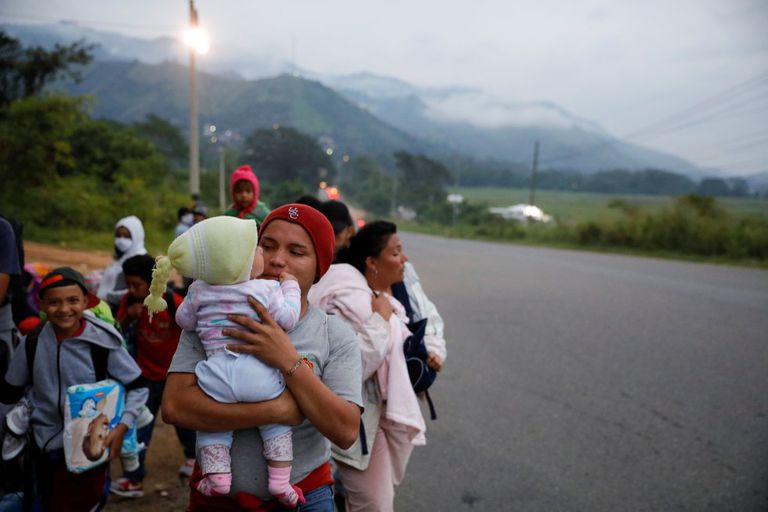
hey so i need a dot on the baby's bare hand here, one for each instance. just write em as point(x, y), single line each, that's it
point(287, 276)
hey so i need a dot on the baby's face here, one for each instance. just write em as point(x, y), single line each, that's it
point(258, 264)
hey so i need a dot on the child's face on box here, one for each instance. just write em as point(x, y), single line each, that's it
point(98, 430)
point(138, 288)
point(243, 194)
point(64, 306)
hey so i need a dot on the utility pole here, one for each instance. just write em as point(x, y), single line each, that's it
point(534, 172)
point(393, 197)
point(194, 149)
point(222, 173)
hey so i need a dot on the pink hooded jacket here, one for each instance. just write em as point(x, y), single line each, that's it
point(244, 172)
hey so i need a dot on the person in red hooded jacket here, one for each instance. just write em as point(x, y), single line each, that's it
point(244, 187)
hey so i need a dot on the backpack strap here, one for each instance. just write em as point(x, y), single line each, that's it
point(432, 412)
point(100, 358)
point(363, 440)
point(30, 347)
point(400, 292)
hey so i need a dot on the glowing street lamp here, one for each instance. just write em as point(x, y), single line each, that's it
point(198, 42)
point(197, 39)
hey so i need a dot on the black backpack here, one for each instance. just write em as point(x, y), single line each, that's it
point(422, 376)
point(17, 288)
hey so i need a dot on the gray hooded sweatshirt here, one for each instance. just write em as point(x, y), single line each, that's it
point(60, 365)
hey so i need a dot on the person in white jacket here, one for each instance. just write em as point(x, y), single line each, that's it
point(358, 288)
point(129, 242)
point(340, 218)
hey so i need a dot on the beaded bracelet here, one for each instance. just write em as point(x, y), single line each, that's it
point(293, 368)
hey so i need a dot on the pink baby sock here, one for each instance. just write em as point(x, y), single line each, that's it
point(280, 487)
point(215, 484)
point(215, 462)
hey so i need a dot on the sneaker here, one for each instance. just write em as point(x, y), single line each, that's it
point(127, 488)
point(186, 468)
point(13, 445)
point(17, 418)
point(144, 418)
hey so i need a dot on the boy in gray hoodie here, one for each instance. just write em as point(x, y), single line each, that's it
point(69, 348)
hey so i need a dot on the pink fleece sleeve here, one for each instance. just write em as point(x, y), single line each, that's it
point(186, 314)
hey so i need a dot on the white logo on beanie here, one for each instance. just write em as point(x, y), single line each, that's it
point(293, 212)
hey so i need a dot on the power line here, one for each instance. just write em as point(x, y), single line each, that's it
point(706, 103)
point(94, 23)
point(678, 117)
point(749, 143)
point(725, 112)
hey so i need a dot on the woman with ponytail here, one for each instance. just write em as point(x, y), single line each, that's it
point(358, 288)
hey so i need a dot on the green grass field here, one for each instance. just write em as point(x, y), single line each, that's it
point(583, 206)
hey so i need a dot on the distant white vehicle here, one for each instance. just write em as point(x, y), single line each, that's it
point(521, 212)
point(406, 213)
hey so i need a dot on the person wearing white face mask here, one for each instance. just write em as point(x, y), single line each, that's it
point(186, 219)
point(129, 242)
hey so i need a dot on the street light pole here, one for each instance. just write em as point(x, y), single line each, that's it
point(222, 175)
point(194, 149)
point(534, 172)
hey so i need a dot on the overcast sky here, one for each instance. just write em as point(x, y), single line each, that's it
point(623, 64)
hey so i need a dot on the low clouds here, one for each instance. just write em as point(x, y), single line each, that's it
point(622, 64)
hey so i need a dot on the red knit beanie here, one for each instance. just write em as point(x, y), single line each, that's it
point(317, 227)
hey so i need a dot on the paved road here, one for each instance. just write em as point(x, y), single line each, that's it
point(588, 382)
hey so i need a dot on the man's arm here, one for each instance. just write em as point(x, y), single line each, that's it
point(335, 418)
point(185, 404)
point(9, 258)
point(5, 280)
point(15, 381)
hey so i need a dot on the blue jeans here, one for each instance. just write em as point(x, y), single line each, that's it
point(319, 500)
point(13, 502)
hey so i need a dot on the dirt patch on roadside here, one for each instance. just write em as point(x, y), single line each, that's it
point(54, 256)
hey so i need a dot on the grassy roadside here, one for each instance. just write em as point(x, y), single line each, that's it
point(157, 240)
point(585, 206)
point(536, 239)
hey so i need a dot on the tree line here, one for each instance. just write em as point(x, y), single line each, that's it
point(471, 173)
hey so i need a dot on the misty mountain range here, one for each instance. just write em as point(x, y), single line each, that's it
point(354, 114)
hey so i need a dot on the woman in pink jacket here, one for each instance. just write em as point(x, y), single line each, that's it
point(358, 288)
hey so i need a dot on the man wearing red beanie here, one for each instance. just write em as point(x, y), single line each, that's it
point(320, 362)
point(317, 227)
point(244, 188)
